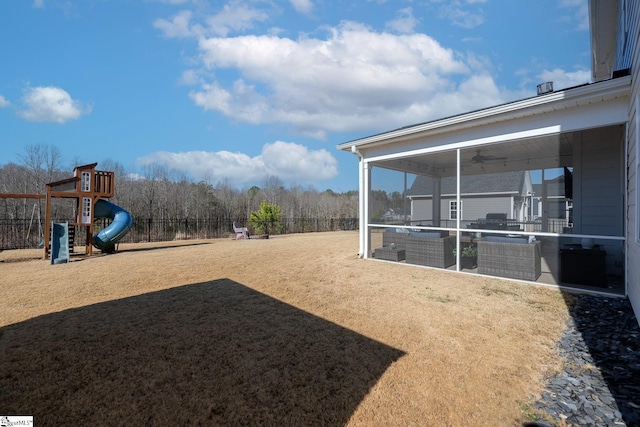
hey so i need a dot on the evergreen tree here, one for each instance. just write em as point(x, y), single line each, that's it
point(267, 218)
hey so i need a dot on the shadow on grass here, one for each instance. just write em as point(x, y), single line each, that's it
point(154, 248)
point(214, 353)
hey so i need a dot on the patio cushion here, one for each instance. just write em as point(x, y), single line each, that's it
point(429, 234)
point(396, 230)
point(506, 239)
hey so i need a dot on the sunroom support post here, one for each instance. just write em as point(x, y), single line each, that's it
point(404, 200)
point(365, 233)
point(458, 210)
point(545, 205)
point(435, 205)
point(363, 203)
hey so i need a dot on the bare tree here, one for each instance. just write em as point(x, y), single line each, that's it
point(43, 163)
point(149, 189)
point(273, 189)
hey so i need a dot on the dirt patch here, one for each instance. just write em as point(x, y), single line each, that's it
point(293, 330)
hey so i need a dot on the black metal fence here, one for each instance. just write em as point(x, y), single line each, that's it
point(20, 234)
point(24, 233)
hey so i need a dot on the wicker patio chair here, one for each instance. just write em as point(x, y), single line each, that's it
point(430, 249)
point(515, 258)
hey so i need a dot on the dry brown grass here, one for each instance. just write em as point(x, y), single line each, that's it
point(294, 330)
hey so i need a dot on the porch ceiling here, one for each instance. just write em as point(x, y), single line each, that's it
point(523, 154)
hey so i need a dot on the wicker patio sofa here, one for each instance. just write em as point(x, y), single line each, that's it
point(512, 257)
point(393, 245)
point(430, 248)
point(395, 235)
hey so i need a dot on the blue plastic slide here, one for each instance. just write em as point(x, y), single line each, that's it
point(121, 222)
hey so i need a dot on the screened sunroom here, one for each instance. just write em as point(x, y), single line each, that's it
point(532, 190)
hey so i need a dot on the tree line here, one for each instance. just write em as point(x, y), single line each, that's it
point(160, 193)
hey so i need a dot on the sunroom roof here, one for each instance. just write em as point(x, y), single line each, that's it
point(567, 98)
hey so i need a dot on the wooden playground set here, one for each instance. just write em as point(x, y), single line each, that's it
point(90, 188)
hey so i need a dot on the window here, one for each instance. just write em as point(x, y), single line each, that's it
point(86, 181)
point(86, 210)
point(453, 209)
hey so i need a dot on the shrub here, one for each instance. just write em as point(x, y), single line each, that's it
point(266, 219)
point(468, 251)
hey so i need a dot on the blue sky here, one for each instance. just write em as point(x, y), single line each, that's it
point(235, 91)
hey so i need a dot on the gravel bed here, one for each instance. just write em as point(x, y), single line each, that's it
point(600, 383)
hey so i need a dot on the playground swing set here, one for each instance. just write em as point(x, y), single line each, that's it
point(90, 188)
point(35, 209)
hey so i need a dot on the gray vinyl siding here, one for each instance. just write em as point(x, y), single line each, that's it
point(599, 185)
point(628, 56)
point(628, 27)
point(472, 207)
point(599, 191)
point(421, 210)
point(478, 207)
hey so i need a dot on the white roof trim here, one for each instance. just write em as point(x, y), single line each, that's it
point(570, 98)
point(531, 133)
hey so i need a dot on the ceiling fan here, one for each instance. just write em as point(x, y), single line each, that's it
point(479, 158)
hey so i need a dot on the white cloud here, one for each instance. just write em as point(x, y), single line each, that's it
point(242, 102)
point(178, 26)
point(190, 77)
point(460, 14)
point(235, 16)
point(302, 6)
point(579, 13)
point(564, 79)
point(170, 1)
point(355, 79)
point(4, 102)
point(38, 4)
point(292, 163)
point(405, 22)
point(51, 104)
